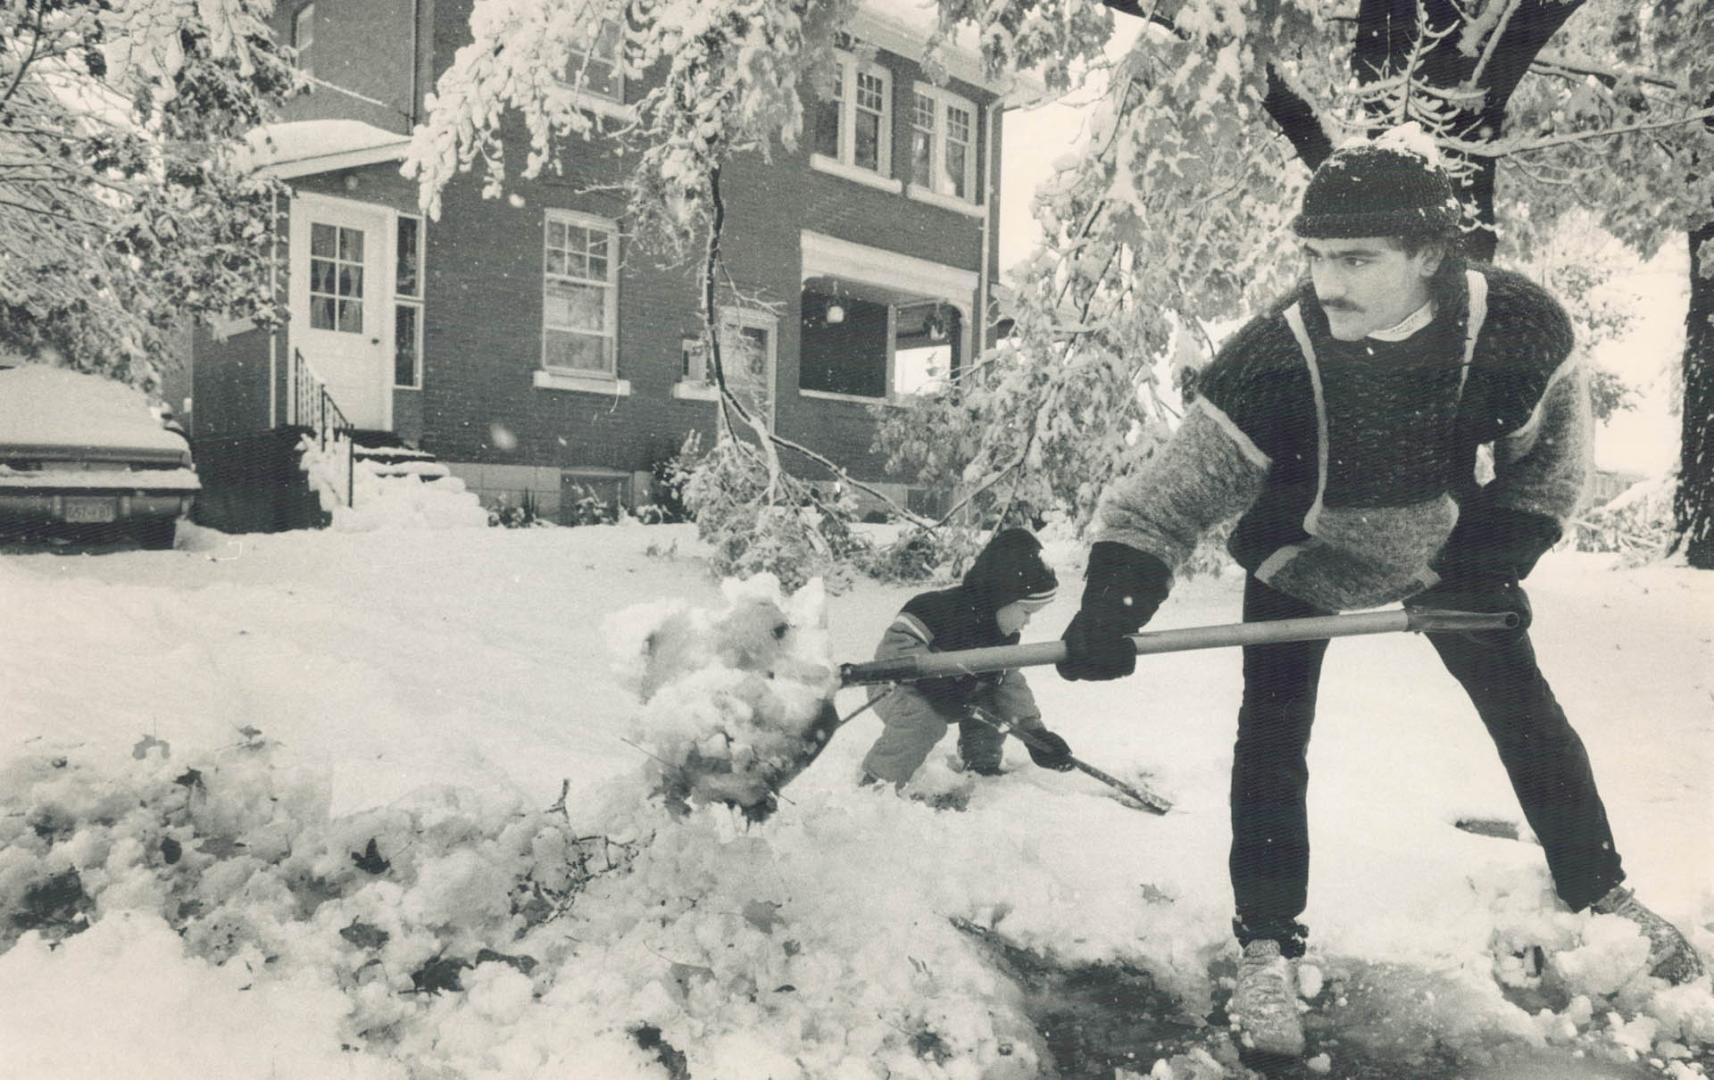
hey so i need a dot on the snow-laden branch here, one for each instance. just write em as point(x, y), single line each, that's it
point(1500, 148)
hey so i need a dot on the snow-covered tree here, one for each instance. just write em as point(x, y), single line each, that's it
point(122, 206)
point(1172, 219)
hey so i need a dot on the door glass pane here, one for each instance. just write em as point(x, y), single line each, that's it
point(351, 245)
point(321, 240)
point(351, 282)
point(351, 316)
point(321, 312)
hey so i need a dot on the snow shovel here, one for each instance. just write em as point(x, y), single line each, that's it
point(1006, 657)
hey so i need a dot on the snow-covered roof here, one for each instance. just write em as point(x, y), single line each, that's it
point(306, 147)
point(47, 406)
point(903, 27)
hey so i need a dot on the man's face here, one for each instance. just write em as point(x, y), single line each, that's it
point(1368, 283)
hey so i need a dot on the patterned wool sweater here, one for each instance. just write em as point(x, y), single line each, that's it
point(1354, 464)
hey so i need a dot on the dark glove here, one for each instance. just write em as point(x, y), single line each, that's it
point(1047, 749)
point(1122, 589)
point(1487, 594)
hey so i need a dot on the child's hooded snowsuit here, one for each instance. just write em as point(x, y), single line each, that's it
point(916, 715)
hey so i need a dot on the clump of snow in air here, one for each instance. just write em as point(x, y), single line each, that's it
point(733, 700)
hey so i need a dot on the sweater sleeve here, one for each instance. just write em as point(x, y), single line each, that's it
point(1213, 466)
point(1541, 460)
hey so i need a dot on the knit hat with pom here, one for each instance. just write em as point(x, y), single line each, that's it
point(1393, 186)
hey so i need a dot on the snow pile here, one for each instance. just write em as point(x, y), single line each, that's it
point(404, 501)
point(735, 701)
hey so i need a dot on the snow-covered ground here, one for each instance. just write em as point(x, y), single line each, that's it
point(353, 740)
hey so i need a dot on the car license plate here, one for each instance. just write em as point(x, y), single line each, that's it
point(83, 511)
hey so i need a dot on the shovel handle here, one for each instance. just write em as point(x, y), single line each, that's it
point(1005, 657)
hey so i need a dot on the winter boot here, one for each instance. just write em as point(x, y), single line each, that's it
point(1671, 957)
point(1264, 1004)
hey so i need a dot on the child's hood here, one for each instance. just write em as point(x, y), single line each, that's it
point(1010, 568)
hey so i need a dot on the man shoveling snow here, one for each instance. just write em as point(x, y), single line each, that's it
point(1344, 425)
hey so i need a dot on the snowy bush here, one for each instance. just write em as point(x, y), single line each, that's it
point(756, 522)
point(1637, 524)
point(525, 514)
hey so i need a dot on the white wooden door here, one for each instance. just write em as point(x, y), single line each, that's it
point(341, 297)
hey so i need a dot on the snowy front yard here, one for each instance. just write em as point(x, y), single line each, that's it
point(300, 787)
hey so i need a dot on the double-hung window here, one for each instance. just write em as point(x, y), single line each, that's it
point(580, 294)
point(596, 68)
point(943, 144)
point(854, 124)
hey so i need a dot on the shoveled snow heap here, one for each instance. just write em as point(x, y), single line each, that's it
point(734, 700)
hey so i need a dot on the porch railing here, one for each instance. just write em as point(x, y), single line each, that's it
point(313, 407)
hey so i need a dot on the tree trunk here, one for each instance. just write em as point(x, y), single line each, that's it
point(1694, 504)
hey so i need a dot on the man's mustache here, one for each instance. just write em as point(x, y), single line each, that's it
point(1340, 305)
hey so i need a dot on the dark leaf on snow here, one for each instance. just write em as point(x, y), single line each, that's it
point(364, 936)
point(371, 861)
point(439, 974)
point(522, 962)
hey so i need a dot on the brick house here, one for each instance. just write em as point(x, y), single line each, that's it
point(525, 345)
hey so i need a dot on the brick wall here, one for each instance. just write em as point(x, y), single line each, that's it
point(478, 406)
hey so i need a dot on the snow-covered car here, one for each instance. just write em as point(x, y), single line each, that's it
point(83, 454)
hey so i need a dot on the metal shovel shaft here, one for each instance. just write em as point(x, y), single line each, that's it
point(1004, 657)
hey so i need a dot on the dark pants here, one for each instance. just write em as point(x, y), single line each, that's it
point(1543, 756)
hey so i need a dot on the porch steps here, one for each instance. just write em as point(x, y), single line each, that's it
point(396, 484)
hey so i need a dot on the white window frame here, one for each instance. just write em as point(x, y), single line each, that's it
point(586, 96)
point(845, 164)
point(302, 18)
point(559, 378)
point(698, 383)
point(935, 192)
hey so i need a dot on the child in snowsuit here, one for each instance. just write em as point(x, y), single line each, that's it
point(1006, 584)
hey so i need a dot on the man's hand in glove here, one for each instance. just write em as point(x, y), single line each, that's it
point(1047, 749)
point(1122, 589)
point(1487, 594)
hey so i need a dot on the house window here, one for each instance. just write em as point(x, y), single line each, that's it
point(335, 278)
point(943, 136)
point(303, 37)
point(746, 358)
point(854, 125)
point(580, 291)
point(596, 68)
point(408, 303)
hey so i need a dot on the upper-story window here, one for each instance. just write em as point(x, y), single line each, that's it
point(943, 143)
point(854, 125)
point(303, 38)
point(597, 69)
point(580, 293)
